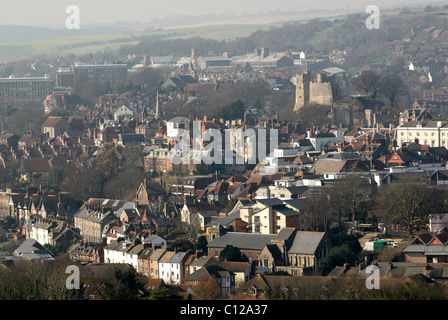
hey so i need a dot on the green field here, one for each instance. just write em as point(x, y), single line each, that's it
point(85, 44)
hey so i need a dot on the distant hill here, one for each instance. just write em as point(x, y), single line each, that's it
point(16, 33)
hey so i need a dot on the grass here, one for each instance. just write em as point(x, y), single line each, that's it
point(319, 36)
point(95, 43)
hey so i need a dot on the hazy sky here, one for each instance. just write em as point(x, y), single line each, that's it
point(52, 12)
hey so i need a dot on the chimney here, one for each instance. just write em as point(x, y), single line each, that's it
point(360, 266)
point(346, 266)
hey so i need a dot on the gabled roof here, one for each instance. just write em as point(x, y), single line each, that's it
point(286, 212)
point(157, 254)
point(167, 256)
point(424, 238)
point(52, 121)
point(32, 250)
point(178, 257)
point(306, 242)
point(203, 261)
point(242, 240)
point(154, 188)
point(275, 252)
point(235, 266)
point(209, 272)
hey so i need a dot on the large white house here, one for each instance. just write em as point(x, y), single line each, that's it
point(171, 267)
point(123, 251)
point(431, 133)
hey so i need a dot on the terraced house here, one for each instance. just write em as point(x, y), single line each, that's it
point(92, 222)
point(428, 248)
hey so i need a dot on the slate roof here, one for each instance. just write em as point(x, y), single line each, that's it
point(166, 256)
point(287, 212)
point(208, 272)
point(52, 121)
point(178, 120)
point(298, 204)
point(94, 216)
point(306, 242)
point(222, 221)
point(254, 241)
point(396, 270)
point(33, 250)
point(235, 266)
point(155, 188)
point(203, 260)
point(270, 202)
point(178, 257)
point(157, 254)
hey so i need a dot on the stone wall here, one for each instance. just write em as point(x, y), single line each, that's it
point(320, 93)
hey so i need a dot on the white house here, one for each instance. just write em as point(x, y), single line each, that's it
point(116, 250)
point(174, 126)
point(123, 251)
point(320, 140)
point(123, 112)
point(171, 267)
point(41, 232)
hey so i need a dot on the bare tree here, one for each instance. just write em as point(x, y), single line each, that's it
point(368, 82)
point(393, 86)
point(207, 289)
point(407, 203)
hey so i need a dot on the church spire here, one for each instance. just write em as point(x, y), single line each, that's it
point(157, 106)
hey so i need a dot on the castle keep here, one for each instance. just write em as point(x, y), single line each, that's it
point(308, 91)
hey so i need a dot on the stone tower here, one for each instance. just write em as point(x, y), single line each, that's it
point(302, 90)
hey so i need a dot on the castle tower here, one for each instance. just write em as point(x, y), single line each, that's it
point(302, 90)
